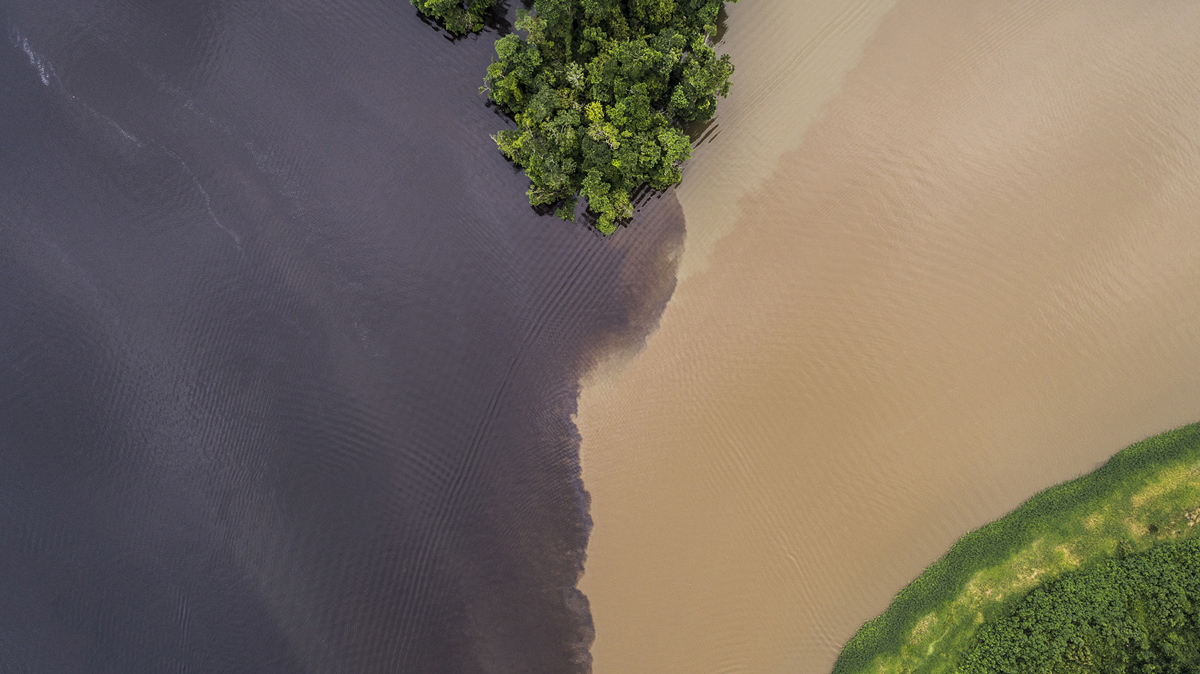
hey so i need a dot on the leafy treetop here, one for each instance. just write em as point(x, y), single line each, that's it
point(599, 90)
point(1135, 613)
point(459, 17)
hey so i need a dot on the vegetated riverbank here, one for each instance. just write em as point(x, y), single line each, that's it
point(1127, 613)
point(1147, 494)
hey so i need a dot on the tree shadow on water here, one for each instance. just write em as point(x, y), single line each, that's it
point(500, 19)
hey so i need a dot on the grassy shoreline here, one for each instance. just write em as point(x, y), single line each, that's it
point(1147, 493)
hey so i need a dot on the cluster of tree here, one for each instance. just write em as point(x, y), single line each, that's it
point(458, 16)
point(1133, 613)
point(600, 90)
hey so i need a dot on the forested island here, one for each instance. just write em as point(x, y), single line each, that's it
point(600, 91)
point(1099, 574)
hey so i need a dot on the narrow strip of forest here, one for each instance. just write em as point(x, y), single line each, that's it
point(1146, 496)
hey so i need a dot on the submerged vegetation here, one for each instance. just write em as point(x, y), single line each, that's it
point(599, 90)
point(952, 617)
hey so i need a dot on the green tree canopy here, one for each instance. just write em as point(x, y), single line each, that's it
point(458, 16)
point(1132, 613)
point(599, 90)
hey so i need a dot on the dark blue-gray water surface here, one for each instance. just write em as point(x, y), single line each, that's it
point(287, 363)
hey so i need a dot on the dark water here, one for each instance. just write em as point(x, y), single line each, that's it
point(286, 361)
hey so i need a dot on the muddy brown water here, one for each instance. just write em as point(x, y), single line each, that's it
point(940, 256)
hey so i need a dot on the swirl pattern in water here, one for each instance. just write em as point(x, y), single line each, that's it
point(287, 363)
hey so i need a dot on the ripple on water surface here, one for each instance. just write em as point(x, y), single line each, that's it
point(973, 276)
point(286, 361)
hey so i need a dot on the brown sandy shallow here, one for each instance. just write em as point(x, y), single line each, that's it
point(974, 276)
